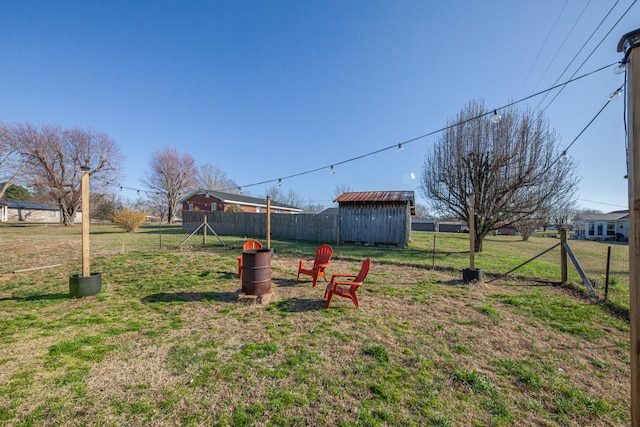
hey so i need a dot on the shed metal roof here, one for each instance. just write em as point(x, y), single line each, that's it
point(377, 196)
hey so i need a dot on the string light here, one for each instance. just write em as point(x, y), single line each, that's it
point(621, 68)
point(279, 182)
point(496, 117)
point(564, 156)
point(615, 95)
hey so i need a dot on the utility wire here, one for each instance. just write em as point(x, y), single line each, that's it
point(544, 44)
point(593, 51)
point(403, 143)
point(562, 44)
point(578, 53)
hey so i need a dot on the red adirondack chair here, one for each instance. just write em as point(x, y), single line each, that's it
point(249, 245)
point(347, 288)
point(320, 262)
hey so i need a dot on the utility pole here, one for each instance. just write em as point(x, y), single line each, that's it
point(628, 43)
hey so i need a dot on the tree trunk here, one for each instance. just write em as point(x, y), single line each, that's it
point(478, 241)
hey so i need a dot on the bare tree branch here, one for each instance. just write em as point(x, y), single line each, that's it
point(172, 175)
point(511, 167)
point(53, 157)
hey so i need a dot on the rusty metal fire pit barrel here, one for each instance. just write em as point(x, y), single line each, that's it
point(256, 272)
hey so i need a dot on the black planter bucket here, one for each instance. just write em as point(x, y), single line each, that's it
point(85, 286)
point(471, 275)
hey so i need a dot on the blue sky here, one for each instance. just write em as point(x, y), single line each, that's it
point(268, 89)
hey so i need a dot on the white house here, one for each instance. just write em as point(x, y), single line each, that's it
point(607, 226)
point(13, 212)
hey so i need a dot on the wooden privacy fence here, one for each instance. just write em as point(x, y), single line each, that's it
point(313, 227)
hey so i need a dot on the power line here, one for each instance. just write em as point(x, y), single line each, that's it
point(603, 203)
point(544, 44)
point(561, 45)
point(397, 146)
point(576, 56)
point(594, 49)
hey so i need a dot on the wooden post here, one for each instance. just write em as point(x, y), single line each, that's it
point(606, 275)
point(563, 257)
point(268, 222)
point(472, 232)
point(627, 44)
point(433, 254)
point(86, 258)
point(204, 230)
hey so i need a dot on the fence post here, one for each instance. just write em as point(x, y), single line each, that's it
point(563, 257)
point(606, 277)
point(204, 231)
point(433, 254)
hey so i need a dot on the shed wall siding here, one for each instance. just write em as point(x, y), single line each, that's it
point(375, 223)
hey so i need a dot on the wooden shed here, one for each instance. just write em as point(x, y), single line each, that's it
point(376, 218)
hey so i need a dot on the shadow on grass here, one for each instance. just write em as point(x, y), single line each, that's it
point(284, 283)
point(191, 297)
point(297, 305)
point(45, 297)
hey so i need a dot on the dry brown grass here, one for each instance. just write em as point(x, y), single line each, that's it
point(194, 356)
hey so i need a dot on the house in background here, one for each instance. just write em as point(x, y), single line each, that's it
point(424, 224)
point(29, 213)
point(376, 218)
point(452, 226)
point(212, 201)
point(607, 226)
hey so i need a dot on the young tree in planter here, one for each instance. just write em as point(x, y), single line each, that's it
point(511, 165)
point(172, 175)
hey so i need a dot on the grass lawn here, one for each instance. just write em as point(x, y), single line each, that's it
point(166, 343)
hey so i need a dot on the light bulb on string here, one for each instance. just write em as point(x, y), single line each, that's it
point(279, 182)
point(332, 170)
point(400, 148)
point(615, 95)
point(620, 68)
point(496, 117)
point(564, 156)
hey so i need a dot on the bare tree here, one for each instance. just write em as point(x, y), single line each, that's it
point(211, 177)
point(312, 208)
point(53, 157)
point(172, 175)
point(422, 211)
point(11, 162)
point(290, 197)
point(154, 203)
point(526, 227)
point(340, 189)
point(561, 215)
point(511, 166)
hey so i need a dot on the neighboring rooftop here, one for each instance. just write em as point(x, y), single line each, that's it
point(611, 216)
point(242, 199)
point(27, 205)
